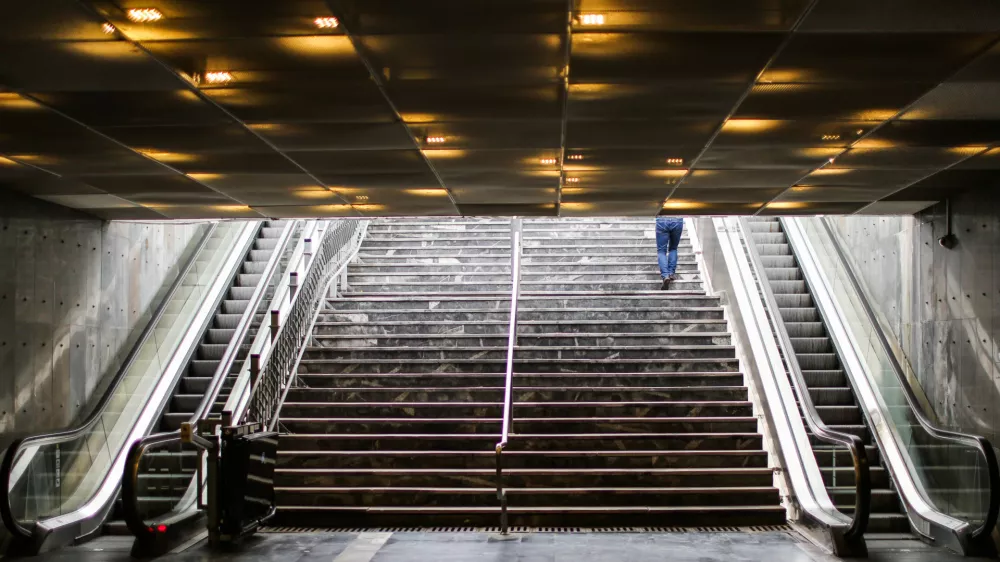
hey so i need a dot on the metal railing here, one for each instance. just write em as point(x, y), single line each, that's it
point(977, 540)
point(340, 243)
point(859, 457)
point(169, 444)
point(508, 402)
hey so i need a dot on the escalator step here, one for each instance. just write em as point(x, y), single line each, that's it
point(212, 351)
point(218, 335)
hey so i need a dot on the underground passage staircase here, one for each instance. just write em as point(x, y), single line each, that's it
point(828, 384)
point(629, 406)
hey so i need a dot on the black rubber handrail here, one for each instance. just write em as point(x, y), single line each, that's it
point(982, 534)
point(508, 401)
point(859, 456)
point(7, 465)
point(130, 497)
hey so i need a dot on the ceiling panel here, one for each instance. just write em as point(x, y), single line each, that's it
point(516, 107)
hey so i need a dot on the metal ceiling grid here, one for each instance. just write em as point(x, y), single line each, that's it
point(534, 107)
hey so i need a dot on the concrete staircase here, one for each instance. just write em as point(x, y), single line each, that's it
point(629, 405)
point(829, 386)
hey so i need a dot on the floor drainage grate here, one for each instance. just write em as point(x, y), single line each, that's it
point(563, 530)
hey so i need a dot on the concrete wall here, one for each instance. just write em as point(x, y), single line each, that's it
point(73, 294)
point(943, 306)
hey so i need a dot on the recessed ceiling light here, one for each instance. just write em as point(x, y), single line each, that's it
point(547, 161)
point(859, 132)
point(572, 180)
point(592, 19)
point(108, 28)
point(831, 137)
point(360, 197)
point(675, 161)
point(435, 140)
point(327, 22)
point(143, 15)
point(575, 157)
point(218, 77)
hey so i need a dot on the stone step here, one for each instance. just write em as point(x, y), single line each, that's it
point(640, 248)
point(355, 325)
point(542, 443)
point(525, 352)
point(521, 394)
point(539, 478)
point(623, 380)
point(652, 276)
point(479, 365)
point(435, 242)
point(541, 459)
point(504, 286)
point(367, 252)
point(689, 315)
point(578, 412)
point(654, 300)
point(610, 424)
point(485, 496)
point(537, 517)
point(498, 340)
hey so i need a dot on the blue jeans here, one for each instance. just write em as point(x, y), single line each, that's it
point(668, 237)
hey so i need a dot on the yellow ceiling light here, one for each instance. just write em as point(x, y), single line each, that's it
point(573, 190)
point(332, 208)
point(874, 114)
point(144, 15)
point(217, 77)
point(436, 139)
point(683, 205)
point(831, 137)
point(435, 192)
point(786, 205)
point(166, 156)
point(874, 143)
point(578, 206)
point(204, 177)
point(361, 198)
point(572, 180)
point(231, 208)
point(369, 208)
point(819, 152)
point(831, 172)
point(750, 125)
point(675, 161)
point(802, 188)
point(967, 150)
point(575, 157)
point(443, 153)
point(313, 193)
point(592, 19)
point(547, 161)
point(15, 101)
point(327, 22)
point(419, 117)
point(107, 28)
point(7, 162)
point(676, 173)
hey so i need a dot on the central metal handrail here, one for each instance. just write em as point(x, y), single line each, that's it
point(982, 534)
point(508, 402)
point(859, 457)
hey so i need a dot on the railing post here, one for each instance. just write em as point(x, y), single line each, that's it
point(254, 370)
point(293, 285)
point(275, 324)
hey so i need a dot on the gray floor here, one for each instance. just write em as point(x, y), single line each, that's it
point(532, 547)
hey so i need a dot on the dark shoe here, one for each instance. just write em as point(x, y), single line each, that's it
point(666, 283)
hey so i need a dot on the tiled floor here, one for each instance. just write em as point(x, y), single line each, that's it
point(532, 547)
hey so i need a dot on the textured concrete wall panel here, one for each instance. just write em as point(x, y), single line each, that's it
point(73, 292)
point(943, 306)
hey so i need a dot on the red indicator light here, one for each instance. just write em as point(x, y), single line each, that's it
point(162, 528)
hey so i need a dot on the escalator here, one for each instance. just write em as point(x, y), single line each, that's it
point(927, 487)
point(826, 380)
point(63, 487)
